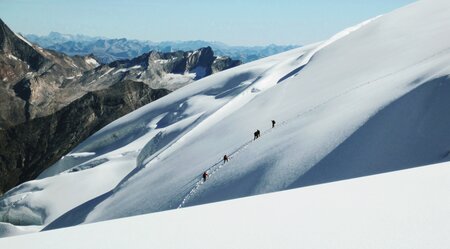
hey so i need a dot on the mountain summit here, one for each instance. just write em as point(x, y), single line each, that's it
point(16, 49)
point(32, 77)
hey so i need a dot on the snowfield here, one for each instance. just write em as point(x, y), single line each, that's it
point(92, 62)
point(402, 210)
point(372, 99)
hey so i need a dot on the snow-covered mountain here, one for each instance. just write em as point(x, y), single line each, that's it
point(373, 98)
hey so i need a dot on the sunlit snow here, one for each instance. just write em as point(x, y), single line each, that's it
point(372, 99)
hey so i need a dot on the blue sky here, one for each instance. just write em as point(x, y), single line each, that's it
point(235, 22)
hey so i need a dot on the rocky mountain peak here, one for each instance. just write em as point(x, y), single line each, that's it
point(14, 47)
point(203, 57)
point(31, 78)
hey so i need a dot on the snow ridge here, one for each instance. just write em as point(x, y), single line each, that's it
point(23, 39)
point(335, 38)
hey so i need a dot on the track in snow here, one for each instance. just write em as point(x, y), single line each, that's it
point(212, 170)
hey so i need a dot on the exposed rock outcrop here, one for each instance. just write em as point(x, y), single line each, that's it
point(27, 149)
point(161, 70)
point(31, 78)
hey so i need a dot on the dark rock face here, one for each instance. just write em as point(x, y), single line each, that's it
point(11, 43)
point(31, 78)
point(223, 63)
point(29, 148)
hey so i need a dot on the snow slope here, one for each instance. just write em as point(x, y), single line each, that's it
point(371, 99)
point(403, 209)
point(87, 174)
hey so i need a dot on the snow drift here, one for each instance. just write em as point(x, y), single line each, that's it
point(403, 209)
point(371, 99)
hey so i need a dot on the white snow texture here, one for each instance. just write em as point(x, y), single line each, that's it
point(372, 99)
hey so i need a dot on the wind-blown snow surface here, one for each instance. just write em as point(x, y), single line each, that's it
point(403, 209)
point(371, 99)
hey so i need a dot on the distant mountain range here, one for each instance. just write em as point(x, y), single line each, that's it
point(108, 50)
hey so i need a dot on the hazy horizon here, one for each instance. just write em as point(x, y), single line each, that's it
point(141, 40)
point(236, 23)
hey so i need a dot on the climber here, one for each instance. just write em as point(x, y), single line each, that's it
point(225, 159)
point(273, 123)
point(205, 175)
point(256, 134)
